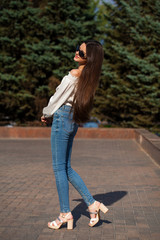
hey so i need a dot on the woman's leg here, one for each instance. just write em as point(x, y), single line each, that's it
point(75, 179)
point(59, 143)
point(93, 206)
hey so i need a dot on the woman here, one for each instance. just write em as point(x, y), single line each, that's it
point(71, 105)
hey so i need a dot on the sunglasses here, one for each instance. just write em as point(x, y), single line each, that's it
point(81, 53)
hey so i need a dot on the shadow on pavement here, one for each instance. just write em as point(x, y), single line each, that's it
point(107, 199)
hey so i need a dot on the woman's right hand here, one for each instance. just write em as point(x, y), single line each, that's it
point(43, 119)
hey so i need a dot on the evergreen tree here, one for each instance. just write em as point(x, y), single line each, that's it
point(26, 60)
point(129, 92)
point(74, 22)
point(38, 40)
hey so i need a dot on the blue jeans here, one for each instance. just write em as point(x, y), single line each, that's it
point(62, 135)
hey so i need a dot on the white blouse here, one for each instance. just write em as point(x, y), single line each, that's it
point(64, 95)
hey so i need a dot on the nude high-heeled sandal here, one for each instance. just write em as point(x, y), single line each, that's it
point(63, 220)
point(94, 221)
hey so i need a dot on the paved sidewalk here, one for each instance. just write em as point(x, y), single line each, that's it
point(117, 172)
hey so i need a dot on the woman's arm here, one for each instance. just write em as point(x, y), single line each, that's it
point(63, 92)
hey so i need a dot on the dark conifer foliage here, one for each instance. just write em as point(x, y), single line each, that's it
point(129, 92)
point(38, 41)
point(73, 22)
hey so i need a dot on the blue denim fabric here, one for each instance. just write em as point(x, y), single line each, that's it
point(62, 135)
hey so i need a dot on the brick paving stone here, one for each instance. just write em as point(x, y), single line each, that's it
point(117, 172)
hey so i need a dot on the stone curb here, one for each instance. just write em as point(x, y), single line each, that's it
point(147, 140)
point(44, 132)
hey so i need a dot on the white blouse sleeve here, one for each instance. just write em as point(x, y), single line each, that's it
point(63, 92)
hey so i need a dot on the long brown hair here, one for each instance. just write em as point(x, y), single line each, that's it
point(87, 82)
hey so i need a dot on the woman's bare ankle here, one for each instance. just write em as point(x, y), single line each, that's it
point(94, 205)
point(68, 214)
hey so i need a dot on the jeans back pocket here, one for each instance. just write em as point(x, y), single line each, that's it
point(67, 123)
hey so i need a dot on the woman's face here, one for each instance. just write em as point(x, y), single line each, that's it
point(78, 58)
